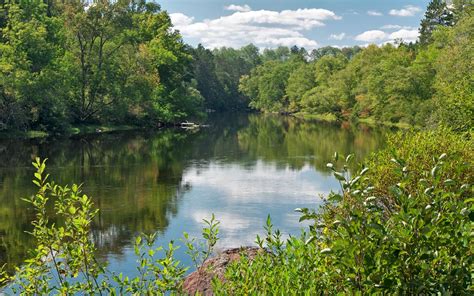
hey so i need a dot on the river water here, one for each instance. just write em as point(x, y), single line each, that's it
point(241, 168)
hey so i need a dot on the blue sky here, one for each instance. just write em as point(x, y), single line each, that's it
point(311, 24)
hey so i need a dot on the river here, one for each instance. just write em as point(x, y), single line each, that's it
point(241, 168)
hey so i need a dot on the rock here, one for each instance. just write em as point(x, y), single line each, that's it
point(201, 280)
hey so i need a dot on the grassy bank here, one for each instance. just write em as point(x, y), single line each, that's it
point(373, 122)
point(319, 117)
point(328, 117)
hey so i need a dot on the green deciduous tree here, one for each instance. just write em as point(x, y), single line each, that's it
point(81, 62)
point(266, 84)
point(454, 81)
point(29, 88)
point(300, 81)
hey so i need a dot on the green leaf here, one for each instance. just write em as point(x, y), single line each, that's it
point(370, 199)
point(326, 251)
point(396, 161)
point(335, 197)
point(138, 240)
point(349, 158)
point(449, 182)
point(72, 210)
point(434, 171)
point(310, 240)
point(429, 190)
point(339, 176)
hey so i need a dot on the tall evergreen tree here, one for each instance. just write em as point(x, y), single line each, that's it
point(437, 14)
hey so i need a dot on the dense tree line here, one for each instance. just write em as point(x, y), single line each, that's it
point(417, 84)
point(76, 62)
point(121, 62)
point(217, 74)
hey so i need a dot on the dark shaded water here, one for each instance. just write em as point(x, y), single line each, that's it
point(241, 168)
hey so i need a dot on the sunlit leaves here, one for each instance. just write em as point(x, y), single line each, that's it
point(403, 231)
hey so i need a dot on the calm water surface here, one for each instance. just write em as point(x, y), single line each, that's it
point(241, 168)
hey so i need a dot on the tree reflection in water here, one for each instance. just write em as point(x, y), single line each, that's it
point(136, 178)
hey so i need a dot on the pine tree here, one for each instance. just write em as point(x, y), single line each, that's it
point(437, 14)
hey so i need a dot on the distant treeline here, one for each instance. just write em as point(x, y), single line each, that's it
point(121, 62)
point(218, 72)
point(425, 83)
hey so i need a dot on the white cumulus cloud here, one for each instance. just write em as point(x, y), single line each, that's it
point(264, 28)
point(374, 13)
point(337, 36)
point(241, 8)
point(408, 10)
point(180, 19)
point(382, 37)
point(406, 35)
point(371, 36)
point(396, 27)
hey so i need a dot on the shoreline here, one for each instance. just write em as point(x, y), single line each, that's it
point(104, 128)
point(72, 131)
point(328, 117)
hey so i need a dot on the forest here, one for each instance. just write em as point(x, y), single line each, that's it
point(121, 63)
point(111, 62)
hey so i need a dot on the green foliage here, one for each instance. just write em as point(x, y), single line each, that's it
point(357, 244)
point(418, 151)
point(64, 261)
point(218, 73)
point(121, 62)
point(454, 81)
point(158, 274)
point(266, 85)
point(115, 62)
point(27, 65)
point(348, 52)
point(437, 14)
point(199, 253)
point(424, 84)
point(207, 82)
point(300, 81)
point(328, 94)
point(63, 251)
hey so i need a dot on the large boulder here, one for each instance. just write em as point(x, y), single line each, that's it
point(201, 280)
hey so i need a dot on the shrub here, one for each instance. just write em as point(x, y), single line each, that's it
point(418, 243)
point(417, 152)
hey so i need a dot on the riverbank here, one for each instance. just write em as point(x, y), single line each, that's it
point(319, 117)
point(76, 130)
point(100, 128)
point(328, 117)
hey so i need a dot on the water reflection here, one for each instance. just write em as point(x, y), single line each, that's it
point(241, 168)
